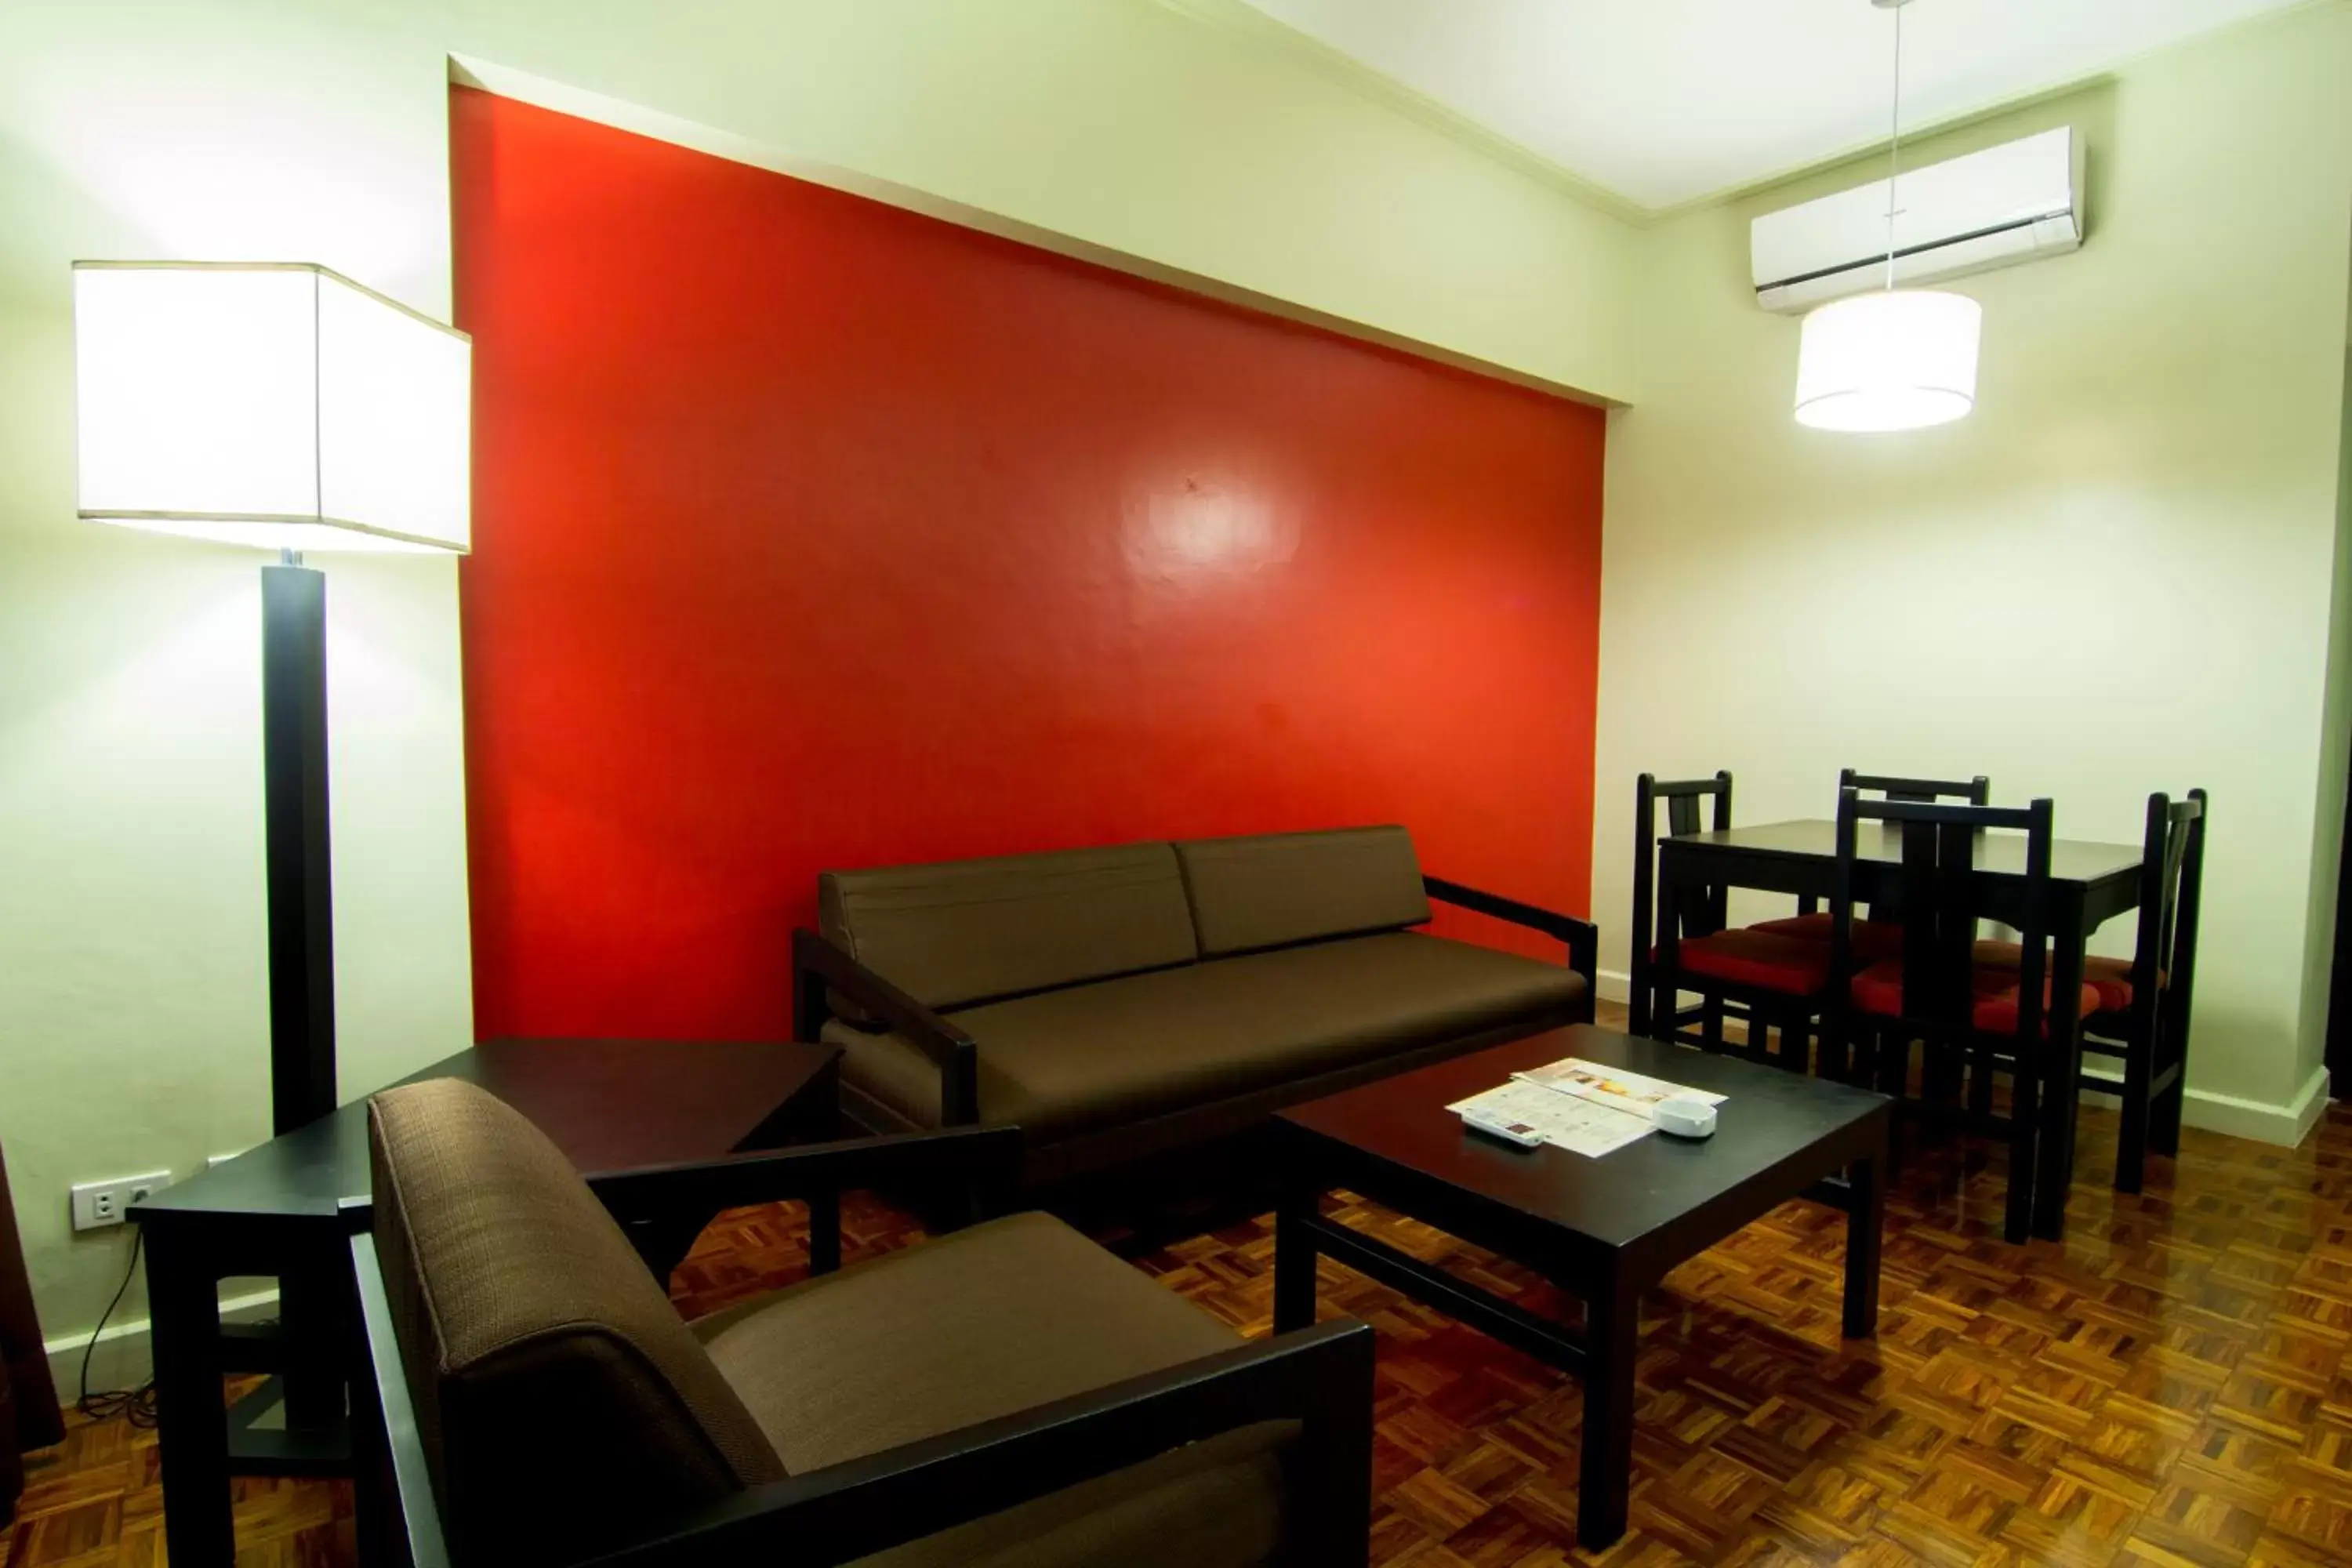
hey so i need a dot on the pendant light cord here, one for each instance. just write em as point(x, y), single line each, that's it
point(1895, 145)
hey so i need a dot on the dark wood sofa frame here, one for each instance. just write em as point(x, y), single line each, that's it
point(1321, 1378)
point(821, 970)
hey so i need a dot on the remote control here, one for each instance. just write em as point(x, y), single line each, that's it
point(1517, 1132)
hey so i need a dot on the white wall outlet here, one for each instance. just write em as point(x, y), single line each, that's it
point(97, 1204)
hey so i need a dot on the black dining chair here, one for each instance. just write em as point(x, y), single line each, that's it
point(2142, 1017)
point(1774, 987)
point(1813, 922)
point(1989, 1019)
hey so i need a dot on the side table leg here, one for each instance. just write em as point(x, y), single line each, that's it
point(1866, 1222)
point(191, 1419)
point(311, 1311)
point(1612, 1318)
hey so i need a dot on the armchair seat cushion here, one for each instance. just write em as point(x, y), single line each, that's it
point(1087, 1057)
point(988, 1322)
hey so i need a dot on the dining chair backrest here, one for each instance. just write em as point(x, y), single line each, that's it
point(2171, 879)
point(1702, 911)
point(1977, 790)
point(1940, 845)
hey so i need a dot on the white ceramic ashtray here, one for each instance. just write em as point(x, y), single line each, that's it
point(1684, 1116)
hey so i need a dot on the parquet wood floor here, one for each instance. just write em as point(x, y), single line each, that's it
point(2168, 1389)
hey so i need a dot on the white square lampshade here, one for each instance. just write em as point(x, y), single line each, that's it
point(275, 405)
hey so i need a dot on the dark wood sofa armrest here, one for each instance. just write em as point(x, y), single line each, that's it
point(397, 1518)
point(1320, 1377)
point(1583, 937)
point(820, 967)
point(986, 1160)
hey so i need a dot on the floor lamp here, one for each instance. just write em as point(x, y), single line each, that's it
point(279, 406)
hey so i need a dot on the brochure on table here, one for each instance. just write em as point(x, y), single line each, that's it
point(1586, 1108)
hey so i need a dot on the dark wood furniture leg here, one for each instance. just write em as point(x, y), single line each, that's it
point(2132, 1136)
point(183, 1304)
point(2053, 1174)
point(1612, 1318)
point(1294, 1256)
point(2030, 1096)
point(1665, 976)
point(311, 1297)
point(1866, 1224)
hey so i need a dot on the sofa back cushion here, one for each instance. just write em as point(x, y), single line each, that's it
point(966, 930)
point(562, 1404)
point(1277, 889)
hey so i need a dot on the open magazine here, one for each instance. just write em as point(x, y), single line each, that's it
point(1611, 1087)
point(1585, 1107)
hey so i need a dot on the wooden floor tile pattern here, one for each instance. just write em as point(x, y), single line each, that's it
point(2168, 1389)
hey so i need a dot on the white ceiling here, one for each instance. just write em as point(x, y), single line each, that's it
point(1665, 100)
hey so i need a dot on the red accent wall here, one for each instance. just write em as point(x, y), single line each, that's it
point(811, 533)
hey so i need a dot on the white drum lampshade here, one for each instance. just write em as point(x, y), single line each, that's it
point(276, 405)
point(1897, 360)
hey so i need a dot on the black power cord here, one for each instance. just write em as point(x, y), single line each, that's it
point(135, 1406)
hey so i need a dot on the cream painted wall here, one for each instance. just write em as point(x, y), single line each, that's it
point(2114, 577)
point(131, 977)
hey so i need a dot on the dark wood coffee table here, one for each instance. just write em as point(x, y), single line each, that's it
point(1602, 1230)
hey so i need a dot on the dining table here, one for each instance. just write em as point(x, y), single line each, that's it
point(2090, 884)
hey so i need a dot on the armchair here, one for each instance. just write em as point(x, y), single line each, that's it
point(1006, 1393)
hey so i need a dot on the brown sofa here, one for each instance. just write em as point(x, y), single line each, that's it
point(1120, 1002)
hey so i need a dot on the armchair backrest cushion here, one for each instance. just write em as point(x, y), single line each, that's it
point(968, 930)
point(1275, 890)
point(563, 1403)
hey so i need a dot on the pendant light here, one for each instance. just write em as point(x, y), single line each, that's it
point(1896, 359)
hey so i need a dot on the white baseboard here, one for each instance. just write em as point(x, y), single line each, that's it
point(2287, 1125)
point(121, 1358)
point(1615, 986)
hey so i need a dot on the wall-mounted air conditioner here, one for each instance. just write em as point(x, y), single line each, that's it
point(2017, 202)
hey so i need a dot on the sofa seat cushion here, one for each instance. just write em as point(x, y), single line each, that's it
point(1092, 1056)
point(988, 1322)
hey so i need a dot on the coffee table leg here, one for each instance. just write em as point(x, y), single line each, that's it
point(1294, 1258)
point(1612, 1318)
point(1865, 1221)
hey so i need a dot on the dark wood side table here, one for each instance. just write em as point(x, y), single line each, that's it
point(1602, 1230)
point(281, 1210)
point(2091, 884)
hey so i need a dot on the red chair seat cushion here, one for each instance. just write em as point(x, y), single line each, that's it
point(2110, 977)
point(1873, 939)
point(1995, 994)
point(1750, 957)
